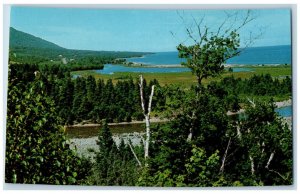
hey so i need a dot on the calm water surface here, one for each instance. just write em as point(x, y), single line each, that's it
point(112, 68)
point(255, 55)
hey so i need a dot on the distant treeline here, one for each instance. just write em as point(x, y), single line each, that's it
point(55, 54)
point(87, 99)
point(73, 64)
point(257, 85)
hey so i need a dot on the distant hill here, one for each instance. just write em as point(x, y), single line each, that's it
point(25, 45)
point(24, 40)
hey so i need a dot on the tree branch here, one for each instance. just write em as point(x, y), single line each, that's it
point(270, 159)
point(150, 100)
point(284, 178)
point(251, 101)
point(136, 158)
point(198, 25)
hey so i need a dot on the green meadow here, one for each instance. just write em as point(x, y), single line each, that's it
point(187, 79)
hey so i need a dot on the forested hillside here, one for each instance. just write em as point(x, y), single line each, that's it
point(19, 39)
point(24, 47)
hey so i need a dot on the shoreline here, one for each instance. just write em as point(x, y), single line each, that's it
point(226, 65)
point(153, 120)
point(146, 65)
point(284, 103)
point(281, 104)
point(136, 64)
point(82, 145)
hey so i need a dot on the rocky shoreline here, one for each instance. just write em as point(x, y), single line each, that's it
point(82, 145)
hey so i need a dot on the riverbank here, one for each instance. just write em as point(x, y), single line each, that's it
point(153, 120)
point(281, 104)
point(284, 103)
point(83, 145)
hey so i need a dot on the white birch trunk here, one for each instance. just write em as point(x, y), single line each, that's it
point(252, 165)
point(146, 115)
point(147, 120)
point(270, 159)
point(239, 134)
point(225, 155)
point(190, 136)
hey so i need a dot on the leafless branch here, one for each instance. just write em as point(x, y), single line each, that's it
point(283, 177)
point(190, 34)
point(136, 158)
point(270, 159)
point(150, 100)
point(198, 25)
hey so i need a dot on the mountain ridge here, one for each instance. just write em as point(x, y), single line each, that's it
point(22, 44)
point(18, 38)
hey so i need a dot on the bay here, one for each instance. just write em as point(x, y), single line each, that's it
point(250, 56)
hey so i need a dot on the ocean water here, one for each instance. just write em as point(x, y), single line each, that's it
point(250, 56)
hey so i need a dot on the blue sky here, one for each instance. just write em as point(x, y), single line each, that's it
point(138, 30)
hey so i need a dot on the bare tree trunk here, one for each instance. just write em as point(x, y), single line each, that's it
point(190, 136)
point(239, 134)
point(146, 114)
point(252, 165)
point(225, 155)
point(147, 120)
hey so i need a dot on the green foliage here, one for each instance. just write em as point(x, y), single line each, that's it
point(197, 163)
point(257, 85)
point(265, 134)
point(36, 148)
point(205, 57)
point(114, 165)
point(202, 170)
